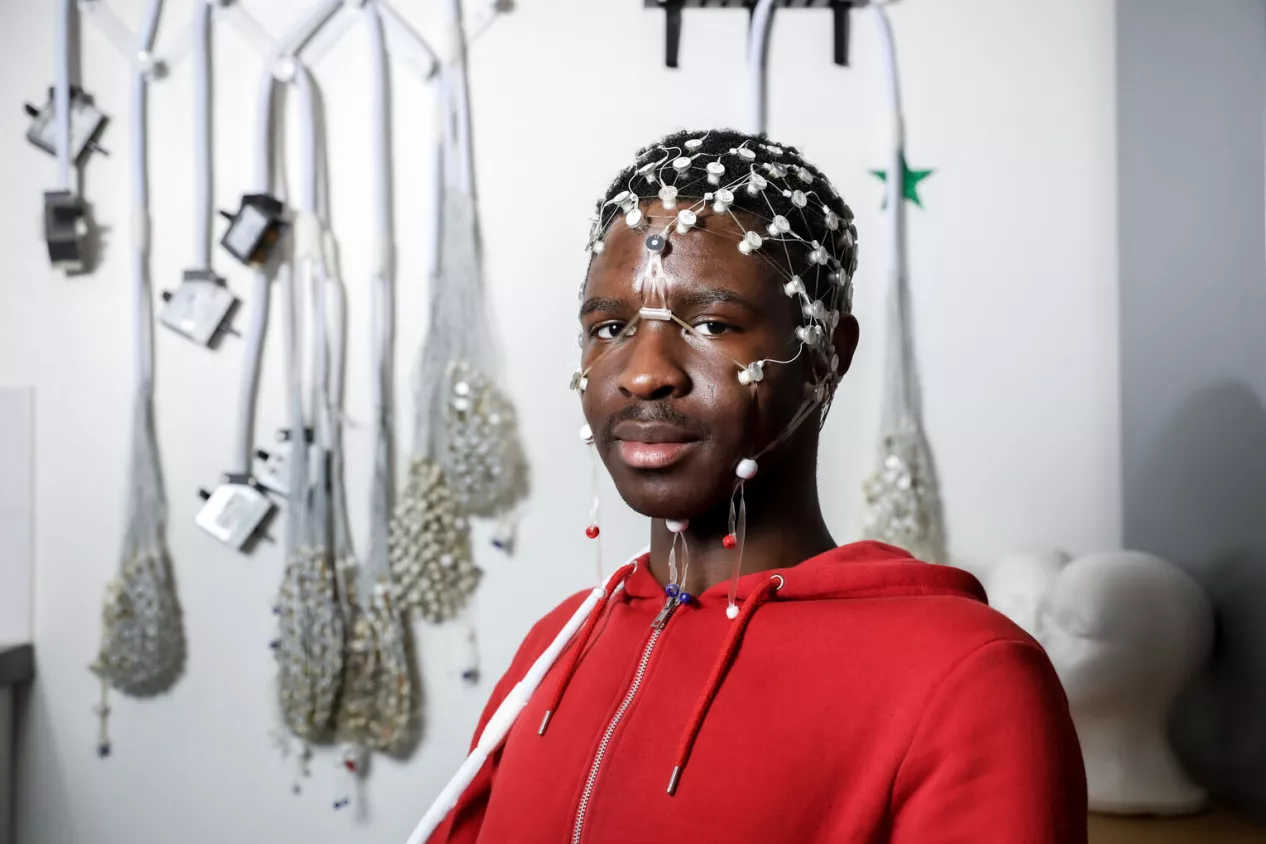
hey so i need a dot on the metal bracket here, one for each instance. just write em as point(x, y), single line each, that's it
point(672, 20)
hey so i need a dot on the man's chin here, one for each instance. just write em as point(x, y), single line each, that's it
point(673, 494)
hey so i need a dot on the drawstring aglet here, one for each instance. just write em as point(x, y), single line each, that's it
point(672, 783)
point(545, 722)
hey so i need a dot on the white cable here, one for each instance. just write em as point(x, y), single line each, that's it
point(114, 30)
point(299, 37)
point(383, 305)
point(404, 30)
point(61, 93)
point(306, 196)
point(903, 392)
point(306, 528)
point(498, 726)
point(140, 204)
point(202, 205)
point(461, 143)
point(256, 331)
point(258, 327)
point(757, 59)
point(437, 183)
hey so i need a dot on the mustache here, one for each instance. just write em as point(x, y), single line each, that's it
point(655, 411)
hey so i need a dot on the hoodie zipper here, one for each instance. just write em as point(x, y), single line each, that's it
point(657, 628)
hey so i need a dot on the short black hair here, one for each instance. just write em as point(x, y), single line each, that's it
point(644, 176)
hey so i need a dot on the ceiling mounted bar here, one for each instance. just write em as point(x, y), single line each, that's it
point(672, 19)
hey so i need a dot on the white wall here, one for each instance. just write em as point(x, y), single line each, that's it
point(1014, 267)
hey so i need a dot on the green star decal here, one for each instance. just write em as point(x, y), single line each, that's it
point(909, 181)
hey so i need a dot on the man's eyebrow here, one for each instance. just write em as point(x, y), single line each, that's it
point(604, 303)
point(701, 297)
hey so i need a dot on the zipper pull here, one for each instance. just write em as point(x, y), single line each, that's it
point(666, 613)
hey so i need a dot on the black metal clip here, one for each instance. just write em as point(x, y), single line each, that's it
point(65, 231)
point(672, 30)
point(672, 20)
point(840, 25)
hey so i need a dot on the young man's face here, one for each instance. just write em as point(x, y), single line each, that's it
point(670, 418)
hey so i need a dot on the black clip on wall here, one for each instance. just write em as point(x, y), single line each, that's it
point(672, 20)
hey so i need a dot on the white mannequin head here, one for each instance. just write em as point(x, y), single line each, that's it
point(1126, 632)
point(1020, 583)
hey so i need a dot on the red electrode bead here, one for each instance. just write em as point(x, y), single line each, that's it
point(730, 541)
point(592, 531)
point(350, 764)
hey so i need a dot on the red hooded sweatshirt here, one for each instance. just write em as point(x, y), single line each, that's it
point(861, 696)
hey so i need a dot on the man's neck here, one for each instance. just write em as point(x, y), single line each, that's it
point(782, 530)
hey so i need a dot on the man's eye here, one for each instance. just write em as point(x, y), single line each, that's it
point(608, 330)
point(711, 328)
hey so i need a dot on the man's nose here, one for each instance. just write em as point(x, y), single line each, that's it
point(653, 370)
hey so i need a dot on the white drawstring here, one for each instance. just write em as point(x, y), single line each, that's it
point(498, 726)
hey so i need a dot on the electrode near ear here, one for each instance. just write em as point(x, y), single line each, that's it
point(201, 308)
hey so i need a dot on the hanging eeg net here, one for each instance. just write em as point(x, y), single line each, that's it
point(467, 459)
point(309, 644)
point(142, 637)
point(902, 495)
point(142, 640)
point(376, 708)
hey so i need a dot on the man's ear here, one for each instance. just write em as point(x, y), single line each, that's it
point(845, 341)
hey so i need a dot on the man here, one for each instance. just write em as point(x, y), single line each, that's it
point(827, 694)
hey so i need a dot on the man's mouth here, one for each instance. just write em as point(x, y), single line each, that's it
point(652, 445)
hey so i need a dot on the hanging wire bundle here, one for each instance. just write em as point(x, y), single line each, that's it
point(309, 645)
point(902, 494)
point(377, 709)
point(467, 458)
point(142, 639)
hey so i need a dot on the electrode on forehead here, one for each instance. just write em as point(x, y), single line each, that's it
point(751, 241)
point(656, 243)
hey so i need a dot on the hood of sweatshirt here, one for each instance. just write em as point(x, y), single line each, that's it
point(859, 570)
point(854, 695)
